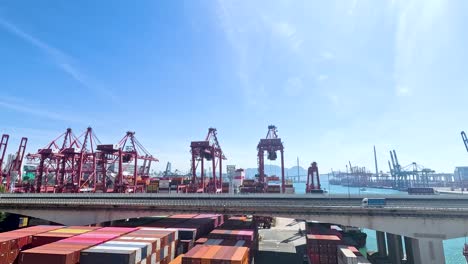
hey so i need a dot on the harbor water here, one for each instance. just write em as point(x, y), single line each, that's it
point(452, 247)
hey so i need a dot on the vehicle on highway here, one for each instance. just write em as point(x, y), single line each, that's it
point(422, 190)
point(373, 202)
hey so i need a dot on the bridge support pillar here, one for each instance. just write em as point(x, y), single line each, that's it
point(409, 251)
point(427, 251)
point(394, 252)
point(381, 243)
point(400, 246)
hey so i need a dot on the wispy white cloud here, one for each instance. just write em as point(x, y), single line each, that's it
point(327, 55)
point(402, 90)
point(352, 7)
point(61, 59)
point(285, 32)
point(322, 77)
point(36, 110)
point(251, 35)
point(415, 44)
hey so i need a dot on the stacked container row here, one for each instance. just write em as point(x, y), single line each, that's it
point(144, 246)
point(322, 248)
point(11, 243)
point(207, 254)
point(67, 250)
point(234, 232)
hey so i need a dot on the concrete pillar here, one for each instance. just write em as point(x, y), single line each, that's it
point(409, 251)
point(393, 249)
point(381, 243)
point(427, 251)
point(400, 246)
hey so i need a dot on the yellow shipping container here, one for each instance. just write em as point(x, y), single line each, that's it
point(70, 231)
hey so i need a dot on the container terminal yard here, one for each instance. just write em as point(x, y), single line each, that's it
point(82, 165)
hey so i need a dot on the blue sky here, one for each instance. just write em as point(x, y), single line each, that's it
point(336, 77)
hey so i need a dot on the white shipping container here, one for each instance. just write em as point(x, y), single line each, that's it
point(164, 184)
point(137, 244)
point(166, 251)
point(346, 256)
point(153, 258)
point(289, 190)
point(173, 249)
point(109, 249)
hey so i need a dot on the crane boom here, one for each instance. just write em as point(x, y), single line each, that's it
point(16, 164)
point(465, 139)
point(3, 146)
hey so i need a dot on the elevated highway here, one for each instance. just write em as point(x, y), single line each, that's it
point(440, 217)
point(424, 220)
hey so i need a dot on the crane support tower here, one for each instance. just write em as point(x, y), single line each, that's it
point(15, 166)
point(66, 163)
point(210, 150)
point(3, 146)
point(123, 155)
point(270, 144)
point(464, 183)
point(312, 173)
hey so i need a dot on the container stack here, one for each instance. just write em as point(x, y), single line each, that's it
point(225, 187)
point(289, 189)
point(67, 251)
point(146, 245)
point(59, 234)
point(164, 186)
point(234, 232)
point(350, 255)
point(322, 248)
point(216, 254)
point(273, 188)
point(177, 260)
point(153, 186)
point(248, 186)
point(346, 256)
point(11, 243)
point(190, 227)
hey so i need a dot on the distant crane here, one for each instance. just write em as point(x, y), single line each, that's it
point(465, 142)
point(408, 176)
point(3, 146)
point(15, 166)
point(167, 172)
point(271, 143)
point(210, 150)
point(312, 173)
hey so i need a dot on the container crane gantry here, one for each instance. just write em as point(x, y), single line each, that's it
point(3, 147)
point(129, 150)
point(270, 144)
point(312, 173)
point(210, 150)
point(15, 166)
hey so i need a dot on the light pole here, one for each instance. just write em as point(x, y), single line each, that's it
point(347, 176)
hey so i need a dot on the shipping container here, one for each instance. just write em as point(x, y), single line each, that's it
point(202, 254)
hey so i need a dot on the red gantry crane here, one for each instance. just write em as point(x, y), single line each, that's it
point(130, 150)
point(312, 173)
point(270, 144)
point(210, 150)
point(15, 167)
point(65, 161)
point(121, 156)
point(3, 147)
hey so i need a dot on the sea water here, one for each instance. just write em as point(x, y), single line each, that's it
point(453, 248)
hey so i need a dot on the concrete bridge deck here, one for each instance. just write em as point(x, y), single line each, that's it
point(424, 220)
